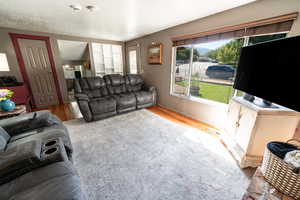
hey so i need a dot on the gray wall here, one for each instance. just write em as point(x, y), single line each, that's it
point(160, 76)
point(6, 46)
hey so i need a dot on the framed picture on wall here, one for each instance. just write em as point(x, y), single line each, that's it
point(155, 53)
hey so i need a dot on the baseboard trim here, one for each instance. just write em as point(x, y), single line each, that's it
point(187, 115)
point(210, 128)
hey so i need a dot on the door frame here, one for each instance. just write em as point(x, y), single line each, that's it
point(14, 37)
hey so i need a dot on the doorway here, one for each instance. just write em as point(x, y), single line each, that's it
point(76, 62)
point(37, 66)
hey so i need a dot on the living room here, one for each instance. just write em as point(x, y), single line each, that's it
point(146, 100)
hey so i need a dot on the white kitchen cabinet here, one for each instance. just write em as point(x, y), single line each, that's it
point(249, 128)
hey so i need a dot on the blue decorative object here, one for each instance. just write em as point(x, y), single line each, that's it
point(7, 105)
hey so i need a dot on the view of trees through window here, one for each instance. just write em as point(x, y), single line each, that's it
point(207, 70)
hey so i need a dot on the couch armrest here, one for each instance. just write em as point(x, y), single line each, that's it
point(29, 122)
point(153, 90)
point(81, 97)
point(85, 110)
point(15, 160)
point(19, 159)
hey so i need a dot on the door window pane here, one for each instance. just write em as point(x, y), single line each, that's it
point(98, 58)
point(133, 62)
point(117, 58)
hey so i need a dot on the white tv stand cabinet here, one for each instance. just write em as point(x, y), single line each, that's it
point(249, 128)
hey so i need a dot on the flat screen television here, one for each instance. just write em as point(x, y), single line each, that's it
point(271, 71)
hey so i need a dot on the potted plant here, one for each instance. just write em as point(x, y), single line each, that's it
point(5, 103)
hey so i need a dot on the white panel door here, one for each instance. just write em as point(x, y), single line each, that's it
point(39, 71)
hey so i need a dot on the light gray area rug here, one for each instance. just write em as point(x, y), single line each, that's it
point(142, 156)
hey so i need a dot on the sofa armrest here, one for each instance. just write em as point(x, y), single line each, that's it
point(81, 97)
point(14, 160)
point(85, 110)
point(29, 122)
point(153, 90)
point(148, 88)
point(19, 159)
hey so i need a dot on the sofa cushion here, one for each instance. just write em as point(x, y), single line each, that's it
point(144, 97)
point(125, 100)
point(4, 138)
point(103, 105)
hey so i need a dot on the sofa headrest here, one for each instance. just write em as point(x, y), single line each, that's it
point(95, 82)
point(88, 83)
point(134, 79)
point(114, 79)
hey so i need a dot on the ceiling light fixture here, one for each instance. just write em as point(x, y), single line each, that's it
point(91, 8)
point(76, 7)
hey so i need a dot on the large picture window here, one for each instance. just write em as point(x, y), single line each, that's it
point(207, 70)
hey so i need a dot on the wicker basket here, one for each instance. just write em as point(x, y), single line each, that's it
point(280, 175)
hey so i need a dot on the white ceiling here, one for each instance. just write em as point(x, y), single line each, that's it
point(114, 20)
point(71, 50)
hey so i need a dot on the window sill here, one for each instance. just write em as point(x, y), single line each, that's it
point(201, 100)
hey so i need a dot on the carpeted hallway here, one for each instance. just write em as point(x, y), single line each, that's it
point(141, 156)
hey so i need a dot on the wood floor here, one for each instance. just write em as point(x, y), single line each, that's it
point(64, 111)
point(71, 111)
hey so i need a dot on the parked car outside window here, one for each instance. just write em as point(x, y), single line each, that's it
point(224, 72)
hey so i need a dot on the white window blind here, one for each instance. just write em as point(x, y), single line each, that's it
point(107, 59)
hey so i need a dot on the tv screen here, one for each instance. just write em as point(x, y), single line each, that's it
point(271, 71)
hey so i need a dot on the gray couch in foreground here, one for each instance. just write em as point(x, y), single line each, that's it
point(99, 98)
point(36, 159)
